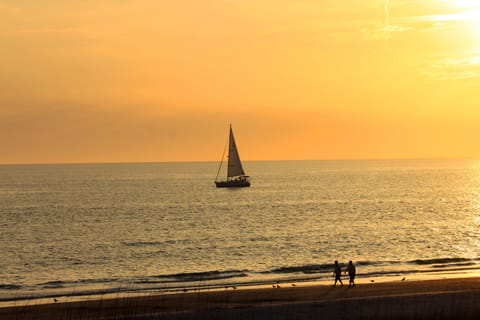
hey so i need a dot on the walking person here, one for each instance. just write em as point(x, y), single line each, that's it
point(351, 273)
point(338, 274)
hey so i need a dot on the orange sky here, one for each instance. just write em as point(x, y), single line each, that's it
point(160, 80)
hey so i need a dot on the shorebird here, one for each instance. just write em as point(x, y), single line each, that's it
point(55, 300)
point(372, 280)
point(294, 285)
point(403, 279)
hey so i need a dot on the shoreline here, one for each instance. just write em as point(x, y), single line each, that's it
point(430, 299)
point(102, 293)
point(78, 289)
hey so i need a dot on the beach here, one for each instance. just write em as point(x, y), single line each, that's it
point(424, 299)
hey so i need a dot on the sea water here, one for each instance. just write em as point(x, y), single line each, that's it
point(80, 229)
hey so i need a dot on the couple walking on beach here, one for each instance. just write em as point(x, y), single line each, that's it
point(351, 270)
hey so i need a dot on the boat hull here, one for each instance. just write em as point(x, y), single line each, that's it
point(232, 184)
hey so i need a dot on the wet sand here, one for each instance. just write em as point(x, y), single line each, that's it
point(428, 299)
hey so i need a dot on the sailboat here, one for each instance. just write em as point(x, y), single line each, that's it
point(235, 174)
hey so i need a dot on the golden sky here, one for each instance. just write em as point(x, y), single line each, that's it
point(160, 80)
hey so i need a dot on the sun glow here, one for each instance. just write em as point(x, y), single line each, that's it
point(466, 10)
point(466, 3)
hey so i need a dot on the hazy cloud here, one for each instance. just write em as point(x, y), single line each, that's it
point(457, 67)
point(383, 33)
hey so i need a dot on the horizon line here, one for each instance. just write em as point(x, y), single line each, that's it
point(251, 160)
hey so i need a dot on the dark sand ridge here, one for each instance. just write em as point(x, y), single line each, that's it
point(428, 299)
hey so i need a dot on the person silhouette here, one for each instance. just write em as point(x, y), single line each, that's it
point(351, 273)
point(338, 274)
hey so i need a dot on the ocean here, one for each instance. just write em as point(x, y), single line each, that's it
point(84, 229)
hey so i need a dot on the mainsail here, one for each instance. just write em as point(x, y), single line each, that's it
point(234, 165)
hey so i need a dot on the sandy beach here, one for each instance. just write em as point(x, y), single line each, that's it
point(428, 299)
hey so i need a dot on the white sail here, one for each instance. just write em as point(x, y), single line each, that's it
point(234, 165)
